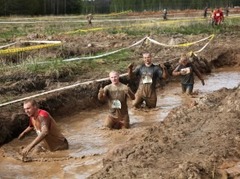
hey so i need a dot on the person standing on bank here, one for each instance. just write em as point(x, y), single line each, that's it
point(89, 19)
point(148, 74)
point(48, 134)
point(186, 70)
point(116, 94)
point(205, 12)
point(165, 14)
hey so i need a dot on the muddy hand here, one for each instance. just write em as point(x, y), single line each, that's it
point(25, 151)
point(101, 91)
point(126, 90)
point(162, 66)
point(130, 66)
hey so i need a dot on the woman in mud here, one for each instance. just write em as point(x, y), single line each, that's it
point(116, 93)
point(186, 70)
point(48, 134)
point(149, 74)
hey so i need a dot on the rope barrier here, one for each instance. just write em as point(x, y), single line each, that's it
point(106, 54)
point(142, 40)
point(180, 45)
point(109, 53)
point(56, 90)
point(8, 45)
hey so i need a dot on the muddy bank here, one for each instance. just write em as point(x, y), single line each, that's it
point(192, 142)
point(83, 97)
point(89, 143)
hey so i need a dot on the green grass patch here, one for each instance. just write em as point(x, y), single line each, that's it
point(56, 68)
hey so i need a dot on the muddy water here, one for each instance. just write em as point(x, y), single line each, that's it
point(89, 141)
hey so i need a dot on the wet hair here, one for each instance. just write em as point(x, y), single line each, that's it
point(32, 101)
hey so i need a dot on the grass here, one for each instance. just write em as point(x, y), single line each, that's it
point(117, 61)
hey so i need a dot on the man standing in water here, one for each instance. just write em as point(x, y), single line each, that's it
point(149, 75)
point(48, 134)
point(116, 93)
point(186, 70)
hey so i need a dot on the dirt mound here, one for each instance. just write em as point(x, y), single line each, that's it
point(190, 143)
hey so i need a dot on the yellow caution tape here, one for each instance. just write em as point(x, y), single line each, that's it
point(182, 45)
point(23, 49)
point(84, 30)
point(146, 40)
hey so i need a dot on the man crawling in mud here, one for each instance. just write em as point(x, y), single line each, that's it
point(116, 94)
point(48, 134)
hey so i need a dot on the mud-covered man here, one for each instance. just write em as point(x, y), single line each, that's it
point(186, 70)
point(148, 75)
point(48, 137)
point(116, 94)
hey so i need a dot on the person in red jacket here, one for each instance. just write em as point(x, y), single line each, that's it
point(218, 16)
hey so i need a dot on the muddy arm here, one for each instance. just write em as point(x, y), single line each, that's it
point(27, 130)
point(36, 141)
point(199, 75)
point(44, 132)
point(176, 72)
point(130, 94)
point(130, 70)
point(101, 94)
point(164, 71)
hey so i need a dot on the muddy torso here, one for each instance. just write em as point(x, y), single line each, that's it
point(54, 138)
point(117, 100)
point(148, 79)
point(187, 78)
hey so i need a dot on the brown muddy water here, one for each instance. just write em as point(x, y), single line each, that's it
point(89, 141)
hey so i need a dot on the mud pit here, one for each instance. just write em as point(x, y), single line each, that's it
point(178, 142)
point(199, 138)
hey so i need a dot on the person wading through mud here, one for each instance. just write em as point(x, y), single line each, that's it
point(186, 70)
point(148, 74)
point(116, 94)
point(48, 134)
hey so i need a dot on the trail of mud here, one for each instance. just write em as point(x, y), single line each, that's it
point(89, 142)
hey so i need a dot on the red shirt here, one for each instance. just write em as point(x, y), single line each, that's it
point(42, 113)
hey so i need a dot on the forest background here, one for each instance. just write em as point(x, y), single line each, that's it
point(68, 7)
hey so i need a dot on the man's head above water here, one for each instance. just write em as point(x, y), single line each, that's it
point(147, 58)
point(183, 59)
point(114, 77)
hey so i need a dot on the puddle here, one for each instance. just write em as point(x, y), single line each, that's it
point(89, 142)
